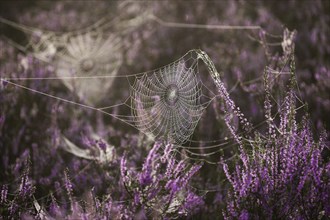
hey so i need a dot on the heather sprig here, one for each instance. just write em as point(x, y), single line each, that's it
point(161, 187)
point(17, 197)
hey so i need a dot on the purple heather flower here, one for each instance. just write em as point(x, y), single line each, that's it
point(4, 193)
point(102, 145)
point(244, 215)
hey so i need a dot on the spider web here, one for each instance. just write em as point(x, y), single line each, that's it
point(92, 51)
point(165, 103)
point(156, 113)
point(88, 55)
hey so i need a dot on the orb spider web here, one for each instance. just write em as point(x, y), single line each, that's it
point(167, 104)
point(92, 51)
point(171, 125)
point(88, 55)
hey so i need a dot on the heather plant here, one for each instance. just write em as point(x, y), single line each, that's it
point(261, 155)
point(161, 189)
point(284, 175)
point(13, 204)
point(162, 180)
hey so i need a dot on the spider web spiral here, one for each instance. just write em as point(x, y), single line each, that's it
point(90, 55)
point(167, 104)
